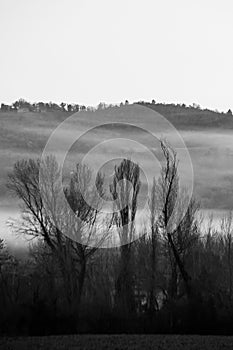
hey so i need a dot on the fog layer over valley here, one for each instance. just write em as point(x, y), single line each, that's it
point(207, 135)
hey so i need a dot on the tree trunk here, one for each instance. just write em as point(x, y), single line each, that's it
point(185, 276)
point(152, 300)
point(124, 285)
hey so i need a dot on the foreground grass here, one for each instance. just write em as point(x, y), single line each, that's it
point(117, 342)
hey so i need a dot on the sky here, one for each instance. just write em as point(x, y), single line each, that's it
point(89, 51)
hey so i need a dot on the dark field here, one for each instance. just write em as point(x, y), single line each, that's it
point(117, 342)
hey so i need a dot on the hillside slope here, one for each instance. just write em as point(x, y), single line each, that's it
point(207, 134)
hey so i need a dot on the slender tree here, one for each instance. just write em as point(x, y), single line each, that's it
point(124, 189)
point(167, 196)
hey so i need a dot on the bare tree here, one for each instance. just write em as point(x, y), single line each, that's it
point(167, 190)
point(44, 216)
point(124, 189)
point(227, 230)
point(153, 238)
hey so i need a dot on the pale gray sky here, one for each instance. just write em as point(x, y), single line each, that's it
point(102, 50)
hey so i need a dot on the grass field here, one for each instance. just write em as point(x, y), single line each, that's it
point(118, 342)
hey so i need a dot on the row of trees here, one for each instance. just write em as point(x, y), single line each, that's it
point(166, 278)
point(23, 105)
point(193, 106)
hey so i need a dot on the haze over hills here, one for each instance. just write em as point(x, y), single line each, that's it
point(207, 134)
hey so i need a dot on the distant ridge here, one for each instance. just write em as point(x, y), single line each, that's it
point(180, 115)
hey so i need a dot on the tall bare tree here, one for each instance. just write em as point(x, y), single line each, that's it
point(124, 189)
point(175, 228)
point(153, 238)
point(227, 230)
point(44, 216)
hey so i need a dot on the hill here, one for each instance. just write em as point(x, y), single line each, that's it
point(208, 136)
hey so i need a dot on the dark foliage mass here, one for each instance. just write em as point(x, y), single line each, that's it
point(171, 279)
